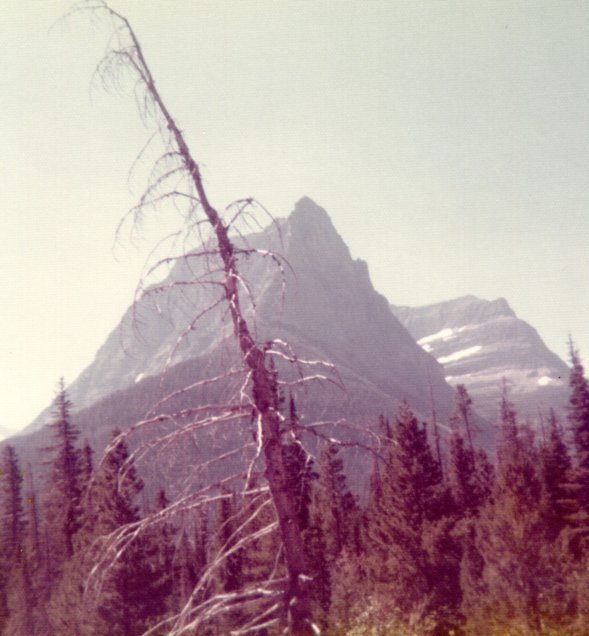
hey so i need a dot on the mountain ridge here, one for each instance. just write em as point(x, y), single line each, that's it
point(479, 342)
point(328, 308)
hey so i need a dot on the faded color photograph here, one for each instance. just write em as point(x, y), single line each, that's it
point(295, 316)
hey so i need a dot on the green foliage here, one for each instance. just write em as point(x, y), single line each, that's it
point(61, 498)
point(488, 551)
point(11, 525)
point(11, 505)
point(461, 419)
point(512, 536)
point(334, 508)
point(404, 541)
point(469, 477)
point(555, 472)
point(579, 483)
point(107, 588)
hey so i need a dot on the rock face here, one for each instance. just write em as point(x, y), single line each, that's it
point(480, 342)
point(314, 295)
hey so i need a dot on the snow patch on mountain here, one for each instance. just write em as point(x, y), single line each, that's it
point(483, 343)
point(444, 334)
point(459, 355)
point(546, 380)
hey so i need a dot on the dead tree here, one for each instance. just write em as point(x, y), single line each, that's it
point(177, 163)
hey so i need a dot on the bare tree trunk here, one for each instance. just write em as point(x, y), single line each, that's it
point(264, 388)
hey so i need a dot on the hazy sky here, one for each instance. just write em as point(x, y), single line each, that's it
point(449, 142)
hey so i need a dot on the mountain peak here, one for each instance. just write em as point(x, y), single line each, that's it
point(323, 303)
point(313, 241)
point(308, 215)
point(306, 203)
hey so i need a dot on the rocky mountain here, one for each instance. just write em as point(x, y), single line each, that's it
point(301, 287)
point(480, 342)
point(315, 297)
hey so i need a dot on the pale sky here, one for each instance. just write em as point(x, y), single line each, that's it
point(448, 140)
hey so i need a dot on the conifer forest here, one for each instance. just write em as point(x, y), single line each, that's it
point(226, 510)
point(449, 543)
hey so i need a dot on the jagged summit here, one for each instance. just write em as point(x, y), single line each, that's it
point(321, 301)
point(306, 210)
point(308, 232)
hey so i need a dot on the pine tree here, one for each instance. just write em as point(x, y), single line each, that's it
point(334, 506)
point(127, 596)
point(184, 571)
point(201, 531)
point(87, 463)
point(299, 468)
point(556, 466)
point(578, 416)
point(511, 538)
point(469, 477)
point(135, 594)
point(61, 500)
point(223, 538)
point(409, 506)
point(11, 523)
point(30, 586)
point(11, 505)
point(228, 563)
point(462, 416)
point(33, 524)
point(321, 570)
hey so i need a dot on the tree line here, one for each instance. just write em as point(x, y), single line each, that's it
point(441, 543)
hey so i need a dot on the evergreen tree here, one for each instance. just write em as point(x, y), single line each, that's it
point(11, 505)
point(299, 468)
point(87, 463)
point(321, 569)
point(184, 572)
point(334, 506)
point(512, 538)
point(31, 585)
point(228, 563)
point(411, 503)
point(128, 593)
point(189, 561)
point(374, 485)
point(462, 416)
point(257, 559)
point(61, 500)
point(33, 524)
point(201, 531)
point(578, 416)
point(223, 538)
point(556, 466)
point(11, 523)
point(469, 477)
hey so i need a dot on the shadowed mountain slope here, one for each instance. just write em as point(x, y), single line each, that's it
point(312, 295)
